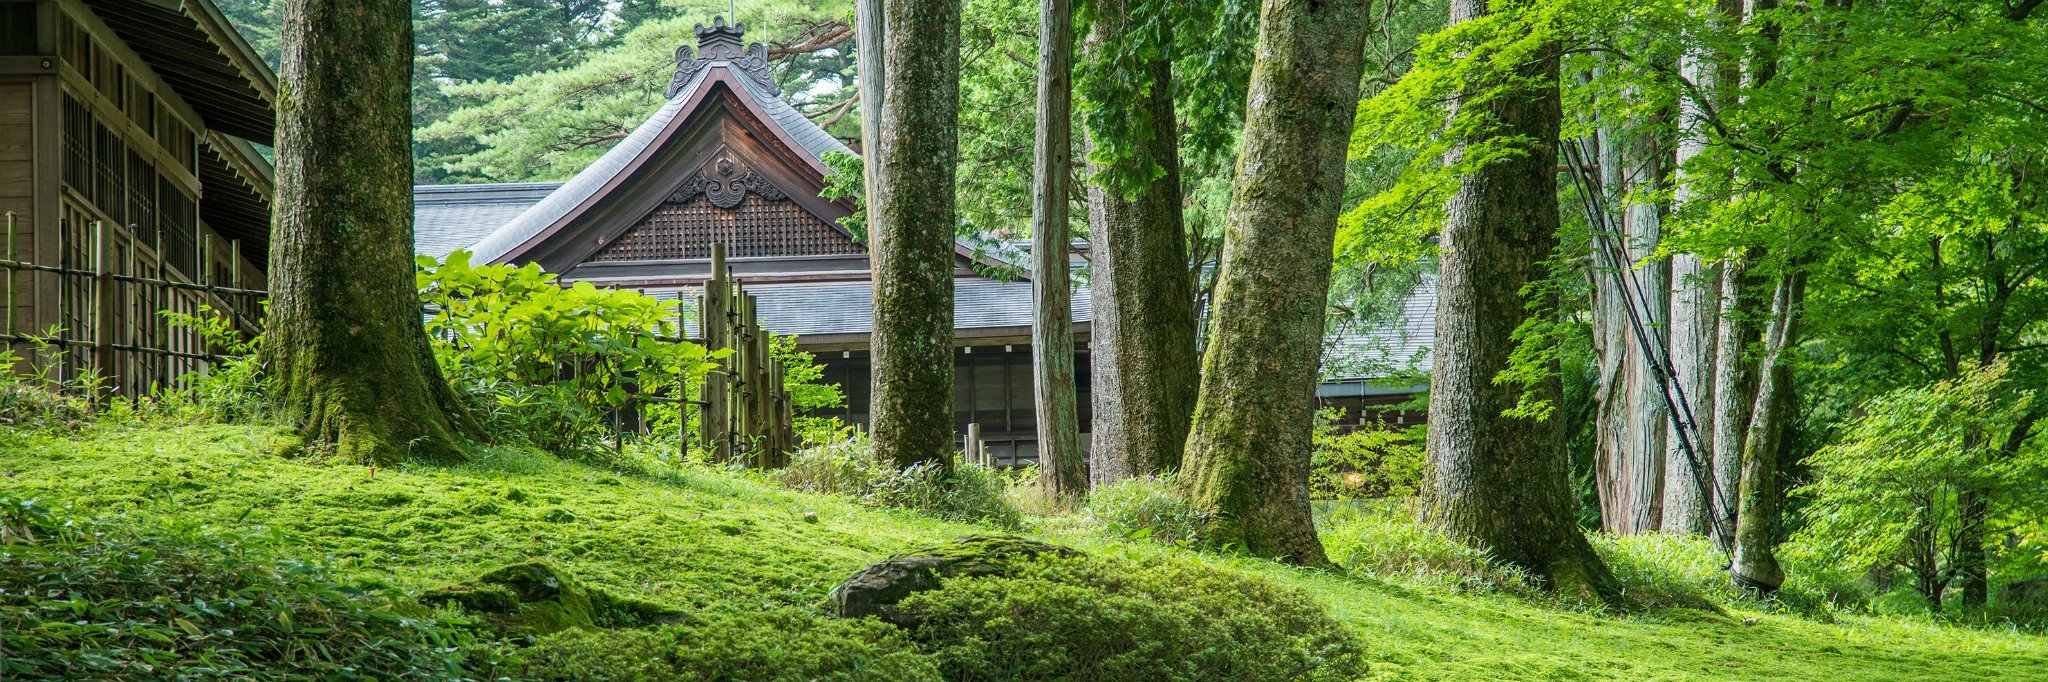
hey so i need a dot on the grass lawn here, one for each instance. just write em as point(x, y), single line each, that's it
point(704, 539)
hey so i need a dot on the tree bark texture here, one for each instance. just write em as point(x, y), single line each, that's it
point(1497, 482)
point(1755, 566)
point(1061, 472)
point(1142, 335)
point(1248, 447)
point(1734, 390)
point(346, 343)
point(1630, 473)
point(911, 219)
point(1695, 302)
point(868, 78)
point(1691, 507)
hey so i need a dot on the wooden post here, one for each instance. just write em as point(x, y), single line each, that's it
point(162, 298)
point(131, 301)
point(716, 328)
point(971, 450)
point(103, 302)
point(764, 392)
point(234, 282)
point(11, 273)
point(786, 427)
point(743, 361)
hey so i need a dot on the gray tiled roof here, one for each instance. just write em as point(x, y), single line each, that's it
point(587, 183)
point(450, 217)
point(1401, 343)
point(849, 308)
point(808, 135)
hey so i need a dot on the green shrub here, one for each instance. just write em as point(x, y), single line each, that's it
point(232, 390)
point(95, 599)
point(550, 364)
point(38, 398)
point(1372, 462)
point(845, 466)
point(848, 467)
point(1889, 493)
point(1117, 619)
point(967, 492)
point(1382, 539)
point(1145, 508)
point(782, 645)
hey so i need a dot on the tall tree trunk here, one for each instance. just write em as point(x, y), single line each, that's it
point(1248, 448)
point(1631, 471)
point(1734, 390)
point(1612, 338)
point(347, 345)
point(1692, 493)
point(1061, 472)
point(1755, 566)
point(1143, 331)
point(1649, 414)
point(1688, 468)
point(910, 216)
point(1496, 481)
point(868, 77)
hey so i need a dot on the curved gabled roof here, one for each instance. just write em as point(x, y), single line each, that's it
point(586, 185)
point(722, 67)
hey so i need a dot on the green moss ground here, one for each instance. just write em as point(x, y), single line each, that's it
point(699, 539)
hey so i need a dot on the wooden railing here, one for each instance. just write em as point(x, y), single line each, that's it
point(110, 295)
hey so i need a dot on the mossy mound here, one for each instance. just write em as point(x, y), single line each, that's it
point(876, 590)
point(537, 599)
point(779, 645)
point(1063, 617)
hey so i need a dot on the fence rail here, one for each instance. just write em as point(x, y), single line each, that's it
point(100, 308)
point(111, 295)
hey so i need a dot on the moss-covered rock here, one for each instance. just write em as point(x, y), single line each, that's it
point(876, 590)
point(535, 598)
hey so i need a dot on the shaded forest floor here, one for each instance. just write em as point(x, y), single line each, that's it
point(704, 539)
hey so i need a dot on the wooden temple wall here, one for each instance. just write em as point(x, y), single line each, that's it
point(100, 189)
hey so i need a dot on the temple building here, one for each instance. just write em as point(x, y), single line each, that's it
point(727, 160)
point(127, 163)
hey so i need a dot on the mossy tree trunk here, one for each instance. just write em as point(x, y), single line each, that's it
point(1495, 481)
point(1761, 496)
point(1734, 390)
point(1248, 448)
point(1061, 472)
point(1143, 331)
point(347, 346)
point(911, 222)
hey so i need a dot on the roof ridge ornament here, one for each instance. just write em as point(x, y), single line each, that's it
point(722, 43)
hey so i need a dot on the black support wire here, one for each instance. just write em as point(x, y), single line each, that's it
point(1677, 407)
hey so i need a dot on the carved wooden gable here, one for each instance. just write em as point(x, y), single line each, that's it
point(725, 200)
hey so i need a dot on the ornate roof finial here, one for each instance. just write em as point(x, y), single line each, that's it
point(722, 43)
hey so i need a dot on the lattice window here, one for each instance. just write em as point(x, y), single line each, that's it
point(179, 218)
point(108, 166)
point(757, 227)
point(142, 187)
point(78, 139)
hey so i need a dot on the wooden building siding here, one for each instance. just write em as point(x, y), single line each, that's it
point(101, 160)
point(18, 195)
